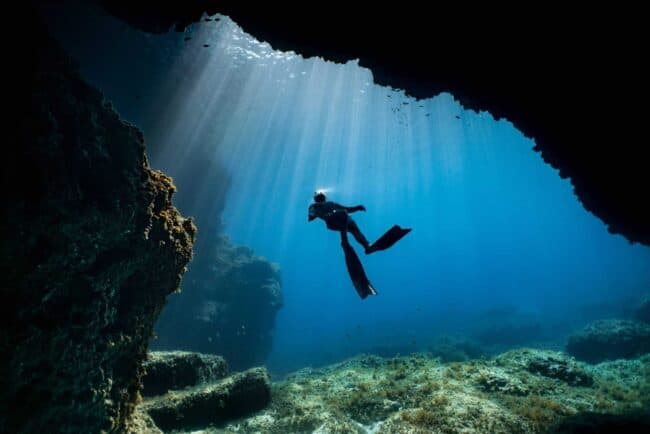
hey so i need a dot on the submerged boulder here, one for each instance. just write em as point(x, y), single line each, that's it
point(177, 370)
point(236, 396)
point(91, 248)
point(610, 339)
point(229, 301)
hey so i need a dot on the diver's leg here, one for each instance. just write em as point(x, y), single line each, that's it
point(344, 238)
point(356, 232)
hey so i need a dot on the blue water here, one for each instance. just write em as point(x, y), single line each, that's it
point(494, 227)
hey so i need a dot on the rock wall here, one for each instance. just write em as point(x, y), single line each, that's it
point(91, 247)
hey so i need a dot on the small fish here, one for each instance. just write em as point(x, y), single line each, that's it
point(187, 38)
point(206, 45)
point(428, 114)
point(457, 117)
point(208, 19)
point(405, 103)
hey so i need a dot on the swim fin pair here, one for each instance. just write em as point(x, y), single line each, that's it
point(391, 236)
point(355, 268)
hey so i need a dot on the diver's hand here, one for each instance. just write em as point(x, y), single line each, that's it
point(361, 208)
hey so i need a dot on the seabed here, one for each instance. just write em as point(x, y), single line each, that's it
point(520, 391)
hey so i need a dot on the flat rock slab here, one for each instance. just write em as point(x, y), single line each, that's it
point(212, 404)
point(176, 370)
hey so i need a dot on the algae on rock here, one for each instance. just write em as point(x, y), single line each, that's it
point(91, 247)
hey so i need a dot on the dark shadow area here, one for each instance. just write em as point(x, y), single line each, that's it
point(599, 423)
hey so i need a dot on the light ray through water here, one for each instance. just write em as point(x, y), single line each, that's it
point(492, 224)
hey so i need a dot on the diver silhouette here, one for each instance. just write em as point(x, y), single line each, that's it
point(337, 218)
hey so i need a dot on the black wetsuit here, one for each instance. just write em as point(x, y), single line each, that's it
point(337, 219)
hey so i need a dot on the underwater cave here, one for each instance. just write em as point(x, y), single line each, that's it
point(161, 273)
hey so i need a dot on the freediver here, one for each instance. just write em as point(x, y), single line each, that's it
point(337, 218)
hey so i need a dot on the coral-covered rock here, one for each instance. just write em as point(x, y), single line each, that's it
point(610, 339)
point(560, 369)
point(236, 396)
point(500, 381)
point(177, 370)
point(91, 247)
point(229, 300)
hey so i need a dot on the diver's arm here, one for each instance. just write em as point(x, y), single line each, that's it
point(351, 209)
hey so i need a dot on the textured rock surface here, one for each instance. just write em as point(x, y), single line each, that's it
point(418, 394)
point(91, 247)
point(141, 423)
point(610, 339)
point(229, 301)
point(546, 90)
point(550, 364)
point(175, 370)
point(236, 396)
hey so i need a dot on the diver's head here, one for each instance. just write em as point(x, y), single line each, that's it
point(319, 197)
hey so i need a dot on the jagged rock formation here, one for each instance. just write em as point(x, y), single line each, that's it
point(238, 395)
point(571, 88)
point(610, 339)
point(91, 247)
point(177, 370)
point(228, 306)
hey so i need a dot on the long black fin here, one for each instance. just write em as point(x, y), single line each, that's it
point(357, 273)
point(391, 236)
